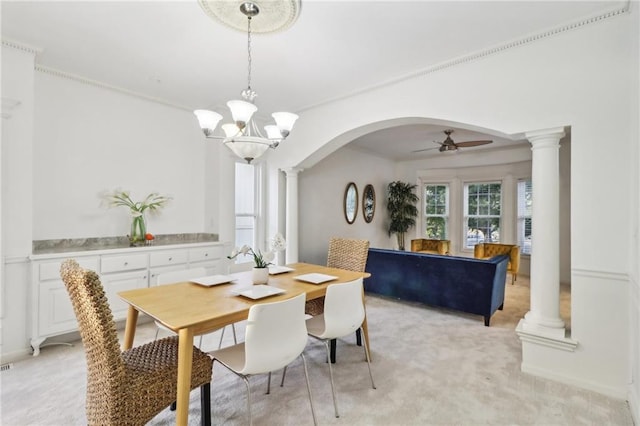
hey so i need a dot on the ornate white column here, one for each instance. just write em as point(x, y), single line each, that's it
point(544, 315)
point(291, 213)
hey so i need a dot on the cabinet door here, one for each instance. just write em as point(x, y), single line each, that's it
point(212, 266)
point(154, 272)
point(55, 311)
point(115, 283)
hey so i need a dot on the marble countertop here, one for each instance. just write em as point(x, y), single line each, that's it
point(107, 243)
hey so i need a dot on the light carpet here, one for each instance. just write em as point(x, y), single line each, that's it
point(431, 367)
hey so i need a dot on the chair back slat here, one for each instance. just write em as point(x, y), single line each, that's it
point(348, 254)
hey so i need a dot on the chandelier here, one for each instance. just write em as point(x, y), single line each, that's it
point(243, 136)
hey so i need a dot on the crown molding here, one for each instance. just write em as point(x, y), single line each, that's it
point(12, 44)
point(589, 20)
point(95, 83)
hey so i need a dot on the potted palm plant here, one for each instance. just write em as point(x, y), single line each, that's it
point(401, 205)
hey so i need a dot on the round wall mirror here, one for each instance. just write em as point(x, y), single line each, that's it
point(368, 203)
point(350, 202)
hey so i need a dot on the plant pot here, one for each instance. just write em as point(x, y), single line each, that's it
point(260, 275)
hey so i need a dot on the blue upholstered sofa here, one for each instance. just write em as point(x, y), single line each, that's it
point(465, 284)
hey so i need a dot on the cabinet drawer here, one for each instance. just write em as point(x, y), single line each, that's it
point(51, 270)
point(166, 258)
point(205, 253)
point(128, 262)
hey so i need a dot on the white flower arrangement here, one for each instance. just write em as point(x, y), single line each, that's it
point(152, 203)
point(261, 260)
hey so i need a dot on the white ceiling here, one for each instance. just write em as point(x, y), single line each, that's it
point(172, 51)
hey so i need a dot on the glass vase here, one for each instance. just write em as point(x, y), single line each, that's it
point(138, 231)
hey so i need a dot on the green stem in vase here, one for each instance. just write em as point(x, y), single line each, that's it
point(138, 229)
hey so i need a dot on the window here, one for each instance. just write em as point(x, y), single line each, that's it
point(436, 211)
point(482, 213)
point(246, 211)
point(524, 215)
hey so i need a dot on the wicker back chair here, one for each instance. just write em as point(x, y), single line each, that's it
point(346, 254)
point(130, 387)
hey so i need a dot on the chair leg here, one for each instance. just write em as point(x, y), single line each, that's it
point(246, 382)
point(268, 383)
point(235, 339)
point(205, 402)
point(221, 337)
point(333, 390)
point(366, 353)
point(358, 337)
point(306, 376)
point(332, 354)
point(284, 373)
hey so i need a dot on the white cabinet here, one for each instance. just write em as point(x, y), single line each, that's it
point(115, 283)
point(206, 257)
point(166, 261)
point(119, 270)
point(125, 262)
point(53, 312)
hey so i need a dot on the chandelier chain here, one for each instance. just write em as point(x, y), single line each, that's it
point(249, 52)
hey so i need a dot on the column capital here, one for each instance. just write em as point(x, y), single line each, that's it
point(554, 133)
point(292, 171)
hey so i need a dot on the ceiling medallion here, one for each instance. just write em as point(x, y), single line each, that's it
point(275, 15)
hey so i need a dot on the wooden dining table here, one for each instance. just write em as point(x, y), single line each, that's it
point(191, 309)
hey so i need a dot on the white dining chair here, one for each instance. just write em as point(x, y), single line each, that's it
point(343, 314)
point(185, 275)
point(275, 335)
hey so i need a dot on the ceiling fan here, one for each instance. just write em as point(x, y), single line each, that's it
point(450, 146)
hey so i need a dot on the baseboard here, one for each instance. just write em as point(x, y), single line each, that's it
point(612, 392)
point(634, 405)
point(15, 356)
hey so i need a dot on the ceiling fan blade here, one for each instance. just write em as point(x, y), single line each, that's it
point(426, 149)
point(472, 143)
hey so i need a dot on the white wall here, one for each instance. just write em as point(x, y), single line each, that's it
point(17, 196)
point(634, 246)
point(90, 139)
point(321, 195)
point(69, 141)
point(579, 78)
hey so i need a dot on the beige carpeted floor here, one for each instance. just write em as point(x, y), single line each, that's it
point(431, 366)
